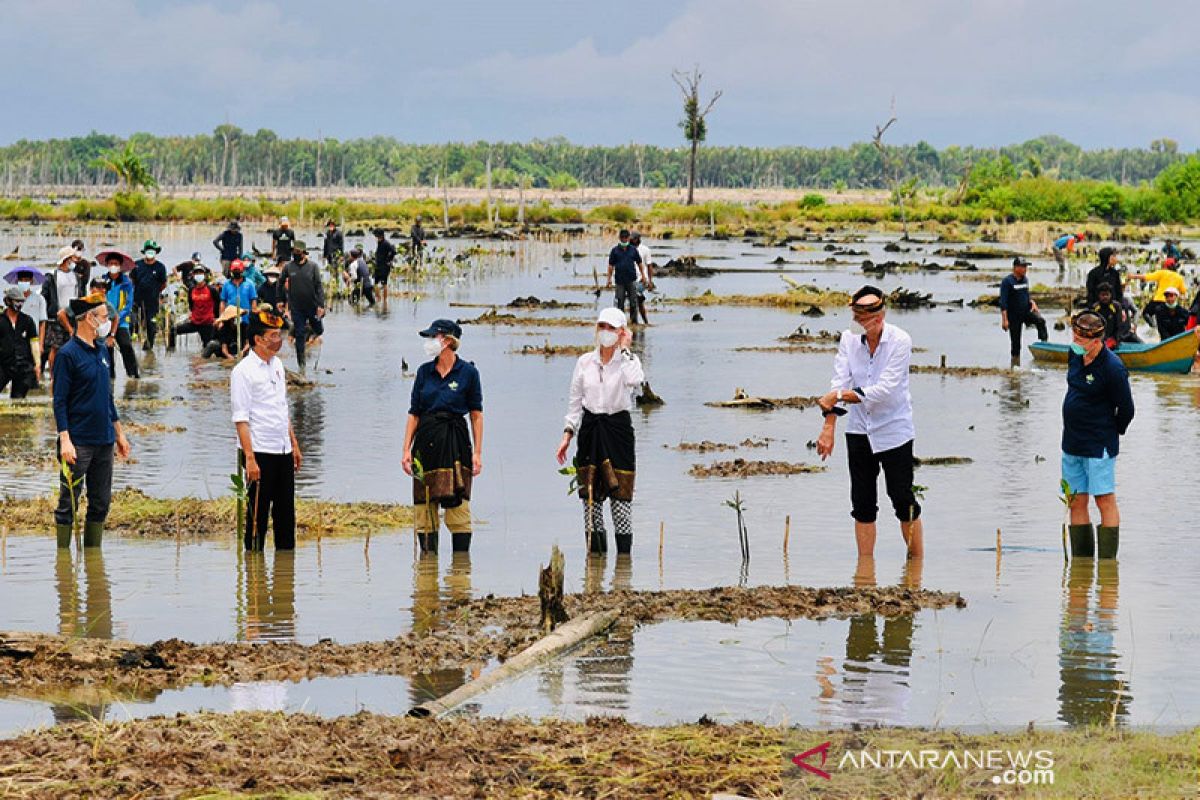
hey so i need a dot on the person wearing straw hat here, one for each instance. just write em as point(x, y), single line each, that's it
point(231, 334)
point(258, 395)
point(89, 428)
point(120, 297)
point(149, 280)
point(18, 343)
point(438, 451)
point(58, 290)
point(601, 396)
point(870, 384)
point(1096, 411)
point(203, 301)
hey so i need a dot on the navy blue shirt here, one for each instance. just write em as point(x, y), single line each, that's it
point(624, 259)
point(148, 279)
point(1014, 295)
point(1098, 407)
point(459, 392)
point(230, 245)
point(83, 403)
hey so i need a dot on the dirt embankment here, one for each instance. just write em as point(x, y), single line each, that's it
point(368, 755)
point(478, 630)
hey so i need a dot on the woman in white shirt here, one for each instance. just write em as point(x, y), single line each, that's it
point(598, 417)
point(870, 381)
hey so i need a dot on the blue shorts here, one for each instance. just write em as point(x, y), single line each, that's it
point(1094, 476)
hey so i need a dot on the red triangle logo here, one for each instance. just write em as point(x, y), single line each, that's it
point(801, 759)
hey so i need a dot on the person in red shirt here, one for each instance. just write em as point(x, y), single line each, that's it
point(203, 301)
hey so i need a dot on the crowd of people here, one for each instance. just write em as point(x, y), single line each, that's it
point(244, 312)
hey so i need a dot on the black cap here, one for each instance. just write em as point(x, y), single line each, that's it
point(1021, 261)
point(446, 327)
point(1104, 287)
point(623, 234)
point(234, 225)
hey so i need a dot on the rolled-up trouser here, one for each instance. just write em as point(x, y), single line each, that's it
point(94, 464)
point(302, 320)
point(148, 310)
point(128, 356)
point(897, 465)
point(457, 519)
point(21, 376)
point(626, 291)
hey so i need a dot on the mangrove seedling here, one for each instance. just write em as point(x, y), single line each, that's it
point(418, 471)
point(743, 534)
point(73, 484)
point(1067, 497)
point(572, 471)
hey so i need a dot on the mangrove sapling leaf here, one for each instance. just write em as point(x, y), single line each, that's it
point(418, 470)
point(73, 484)
point(1067, 497)
point(571, 470)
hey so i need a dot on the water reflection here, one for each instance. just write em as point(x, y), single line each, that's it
point(308, 419)
point(426, 610)
point(1093, 689)
point(82, 614)
point(267, 601)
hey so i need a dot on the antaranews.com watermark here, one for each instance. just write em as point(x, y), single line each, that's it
point(1007, 767)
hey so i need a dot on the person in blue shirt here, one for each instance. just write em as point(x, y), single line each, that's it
point(237, 291)
point(1063, 246)
point(1018, 309)
point(623, 261)
point(89, 427)
point(446, 391)
point(1170, 249)
point(1096, 411)
point(120, 297)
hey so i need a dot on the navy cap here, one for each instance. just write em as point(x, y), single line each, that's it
point(446, 327)
point(1021, 261)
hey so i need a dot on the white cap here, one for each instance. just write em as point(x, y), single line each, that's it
point(65, 252)
point(1170, 290)
point(284, 219)
point(613, 316)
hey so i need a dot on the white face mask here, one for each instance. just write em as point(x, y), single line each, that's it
point(433, 347)
point(857, 328)
point(114, 271)
point(24, 286)
point(104, 329)
point(607, 338)
point(199, 278)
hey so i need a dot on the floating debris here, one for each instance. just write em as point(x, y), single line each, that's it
point(536, 302)
point(648, 397)
point(683, 267)
point(494, 317)
point(741, 468)
point(550, 350)
point(941, 461)
point(743, 400)
point(707, 447)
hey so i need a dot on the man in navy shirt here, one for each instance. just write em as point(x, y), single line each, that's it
point(1017, 308)
point(229, 245)
point(87, 421)
point(149, 279)
point(1096, 413)
point(623, 261)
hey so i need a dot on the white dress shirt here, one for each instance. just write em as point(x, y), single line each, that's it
point(885, 413)
point(644, 252)
point(603, 388)
point(258, 393)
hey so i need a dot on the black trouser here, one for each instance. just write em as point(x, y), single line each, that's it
point(148, 309)
point(303, 321)
point(22, 377)
point(1017, 322)
point(897, 466)
point(627, 291)
point(205, 331)
point(94, 464)
point(272, 496)
point(128, 356)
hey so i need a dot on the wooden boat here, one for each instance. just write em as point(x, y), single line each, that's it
point(1172, 355)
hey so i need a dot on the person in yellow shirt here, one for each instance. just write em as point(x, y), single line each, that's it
point(1166, 278)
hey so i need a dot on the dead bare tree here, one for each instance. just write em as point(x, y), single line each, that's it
point(891, 168)
point(694, 126)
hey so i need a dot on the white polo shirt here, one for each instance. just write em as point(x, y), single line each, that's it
point(258, 394)
point(885, 413)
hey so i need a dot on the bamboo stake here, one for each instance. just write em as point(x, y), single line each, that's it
point(562, 639)
point(997, 540)
point(787, 533)
point(661, 536)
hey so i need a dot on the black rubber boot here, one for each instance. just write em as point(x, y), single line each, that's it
point(624, 542)
point(93, 534)
point(428, 542)
point(1083, 541)
point(599, 542)
point(461, 542)
point(1107, 541)
point(63, 534)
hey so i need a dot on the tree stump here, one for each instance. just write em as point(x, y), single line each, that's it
point(550, 592)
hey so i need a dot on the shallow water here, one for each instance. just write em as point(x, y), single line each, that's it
point(1009, 643)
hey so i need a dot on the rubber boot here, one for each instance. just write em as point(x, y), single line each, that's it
point(624, 543)
point(599, 542)
point(63, 534)
point(93, 533)
point(461, 542)
point(1083, 541)
point(428, 542)
point(1107, 541)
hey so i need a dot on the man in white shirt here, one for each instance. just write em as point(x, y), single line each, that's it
point(258, 394)
point(870, 382)
point(645, 277)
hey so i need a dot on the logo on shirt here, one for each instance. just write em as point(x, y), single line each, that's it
point(453, 386)
point(1090, 378)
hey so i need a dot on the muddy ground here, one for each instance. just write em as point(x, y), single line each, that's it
point(477, 631)
point(367, 755)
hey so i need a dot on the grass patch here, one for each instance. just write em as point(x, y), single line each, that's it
point(803, 297)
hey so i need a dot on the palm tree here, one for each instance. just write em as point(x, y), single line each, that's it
point(127, 165)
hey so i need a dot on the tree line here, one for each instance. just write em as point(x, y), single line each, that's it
point(232, 157)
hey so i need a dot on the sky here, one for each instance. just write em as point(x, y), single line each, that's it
point(1102, 73)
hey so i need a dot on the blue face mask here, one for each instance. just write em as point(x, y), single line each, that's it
point(1078, 349)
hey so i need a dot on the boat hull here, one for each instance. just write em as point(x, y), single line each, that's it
point(1173, 355)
